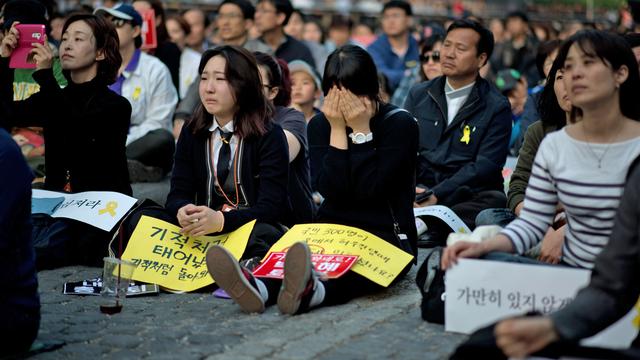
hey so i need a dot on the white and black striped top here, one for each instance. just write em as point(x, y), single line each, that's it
point(566, 170)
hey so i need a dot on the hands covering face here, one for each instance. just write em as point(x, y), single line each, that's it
point(344, 108)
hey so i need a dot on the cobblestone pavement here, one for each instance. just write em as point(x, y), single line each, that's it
point(199, 326)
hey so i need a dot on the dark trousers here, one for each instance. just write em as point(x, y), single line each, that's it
point(337, 291)
point(156, 148)
point(62, 242)
point(482, 345)
point(468, 209)
point(18, 329)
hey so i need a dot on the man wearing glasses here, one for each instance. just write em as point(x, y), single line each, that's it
point(146, 82)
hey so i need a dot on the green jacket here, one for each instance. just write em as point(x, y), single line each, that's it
point(520, 177)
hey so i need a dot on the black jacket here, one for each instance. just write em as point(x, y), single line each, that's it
point(446, 163)
point(362, 185)
point(85, 130)
point(262, 176)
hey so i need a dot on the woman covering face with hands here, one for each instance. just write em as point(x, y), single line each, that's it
point(365, 154)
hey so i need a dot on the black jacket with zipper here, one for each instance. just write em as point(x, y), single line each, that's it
point(261, 175)
point(445, 162)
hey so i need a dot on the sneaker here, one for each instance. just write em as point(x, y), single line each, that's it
point(298, 282)
point(139, 172)
point(235, 280)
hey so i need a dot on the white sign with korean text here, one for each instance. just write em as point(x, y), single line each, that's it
point(102, 209)
point(481, 292)
point(445, 214)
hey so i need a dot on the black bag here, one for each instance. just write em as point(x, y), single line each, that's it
point(430, 281)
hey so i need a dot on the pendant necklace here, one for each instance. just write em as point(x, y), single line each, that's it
point(606, 149)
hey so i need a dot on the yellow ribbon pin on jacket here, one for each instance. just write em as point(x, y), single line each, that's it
point(466, 135)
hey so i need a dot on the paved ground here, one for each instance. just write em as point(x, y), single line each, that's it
point(199, 326)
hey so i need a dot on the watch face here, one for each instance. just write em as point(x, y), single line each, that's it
point(359, 138)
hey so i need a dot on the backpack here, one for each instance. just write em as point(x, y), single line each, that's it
point(430, 281)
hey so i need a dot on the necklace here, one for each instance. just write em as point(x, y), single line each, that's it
point(606, 149)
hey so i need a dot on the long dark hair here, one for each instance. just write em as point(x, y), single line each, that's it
point(352, 67)
point(551, 114)
point(614, 52)
point(278, 73)
point(106, 40)
point(253, 110)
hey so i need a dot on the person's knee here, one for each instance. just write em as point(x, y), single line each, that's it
point(495, 216)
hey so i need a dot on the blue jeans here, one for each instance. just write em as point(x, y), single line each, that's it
point(496, 216)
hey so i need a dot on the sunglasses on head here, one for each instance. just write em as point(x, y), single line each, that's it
point(435, 56)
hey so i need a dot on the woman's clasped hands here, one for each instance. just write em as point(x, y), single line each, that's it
point(199, 220)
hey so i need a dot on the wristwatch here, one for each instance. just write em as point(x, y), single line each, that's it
point(360, 138)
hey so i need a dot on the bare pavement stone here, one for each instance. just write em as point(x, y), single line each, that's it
point(200, 326)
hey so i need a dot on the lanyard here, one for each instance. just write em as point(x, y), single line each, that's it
point(235, 173)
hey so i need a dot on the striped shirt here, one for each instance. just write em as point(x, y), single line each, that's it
point(566, 170)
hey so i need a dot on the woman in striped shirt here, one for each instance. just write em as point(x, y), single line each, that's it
point(583, 166)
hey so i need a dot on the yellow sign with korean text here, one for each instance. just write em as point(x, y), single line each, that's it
point(170, 259)
point(378, 260)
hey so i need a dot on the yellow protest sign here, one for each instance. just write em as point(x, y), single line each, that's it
point(378, 260)
point(170, 259)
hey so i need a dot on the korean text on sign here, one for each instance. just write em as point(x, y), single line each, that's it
point(170, 259)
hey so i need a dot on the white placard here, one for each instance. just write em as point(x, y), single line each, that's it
point(481, 292)
point(102, 209)
point(445, 214)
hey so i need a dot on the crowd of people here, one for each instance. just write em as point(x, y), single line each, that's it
point(260, 115)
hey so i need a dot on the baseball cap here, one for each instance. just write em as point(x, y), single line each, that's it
point(299, 65)
point(123, 11)
point(507, 79)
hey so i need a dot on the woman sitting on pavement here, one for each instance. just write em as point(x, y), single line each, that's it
point(84, 141)
point(277, 88)
point(367, 178)
point(610, 295)
point(582, 166)
point(231, 160)
point(85, 124)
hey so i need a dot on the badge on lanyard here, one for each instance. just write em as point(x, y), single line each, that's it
point(466, 135)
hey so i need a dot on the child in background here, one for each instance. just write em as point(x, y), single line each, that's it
point(305, 88)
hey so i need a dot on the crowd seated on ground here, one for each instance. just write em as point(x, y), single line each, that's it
point(257, 113)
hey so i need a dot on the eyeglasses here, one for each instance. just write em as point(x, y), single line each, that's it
point(435, 56)
point(119, 22)
point(229, 16)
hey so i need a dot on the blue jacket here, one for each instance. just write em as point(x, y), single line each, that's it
point(388, 63)
point(446, 163)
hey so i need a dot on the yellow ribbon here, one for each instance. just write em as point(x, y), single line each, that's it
point(110, 208)
point(636, 321)
point(466, 135)
point(136, 93)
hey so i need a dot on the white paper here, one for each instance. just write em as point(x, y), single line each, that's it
point(445, 214)
point(481, 292)
point(102, 209)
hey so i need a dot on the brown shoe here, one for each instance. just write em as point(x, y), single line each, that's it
point(298, 283)
point(236, 281)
